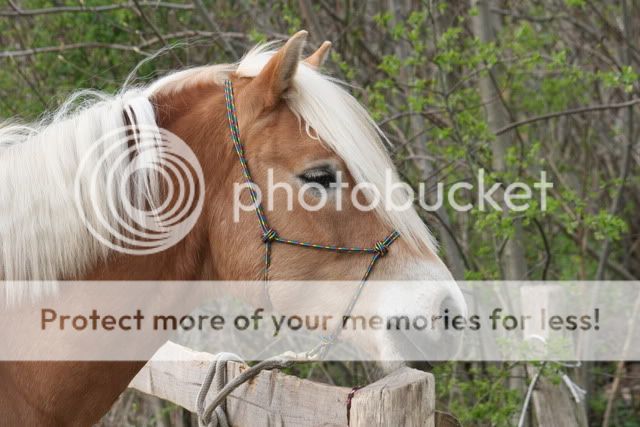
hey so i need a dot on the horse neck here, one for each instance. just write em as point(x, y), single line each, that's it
point(197, 115)
point(191, 258)
point(57, 385)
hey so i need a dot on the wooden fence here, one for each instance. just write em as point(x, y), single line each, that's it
point(404, 398)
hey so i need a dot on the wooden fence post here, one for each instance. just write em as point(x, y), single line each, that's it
point(405, 397)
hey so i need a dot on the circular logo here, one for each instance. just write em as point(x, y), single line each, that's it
point(139, 189)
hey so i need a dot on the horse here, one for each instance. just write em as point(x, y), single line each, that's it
point(296, 123)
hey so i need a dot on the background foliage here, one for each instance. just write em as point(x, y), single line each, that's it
point(418, 66)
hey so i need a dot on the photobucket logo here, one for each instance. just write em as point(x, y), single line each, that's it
point(395, 195)
point(139, 190)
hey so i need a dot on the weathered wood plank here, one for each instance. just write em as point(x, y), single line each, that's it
point(271, 398)
point(405, 397)
point(276, 399)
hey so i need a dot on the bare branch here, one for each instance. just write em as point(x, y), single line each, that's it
point(62, 48)
point(580, 110)
point(516, 15)
point(213, 26)
point(92, 9)
point(155, 30)
point(193, 33)
point(97, 45)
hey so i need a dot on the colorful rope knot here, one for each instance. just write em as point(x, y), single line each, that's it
point(269, 235)
point(381, 248)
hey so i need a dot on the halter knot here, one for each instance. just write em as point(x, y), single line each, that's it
point(269, 235)
point(381, 248)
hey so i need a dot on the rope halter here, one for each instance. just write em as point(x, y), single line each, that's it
point(214, 415)
point(270, 236)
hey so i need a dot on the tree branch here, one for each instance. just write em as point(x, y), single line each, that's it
point(155, 30)
point(213, 26)
point(97, 45)
point(92, 9)
point(580, 110)
point(62, 48)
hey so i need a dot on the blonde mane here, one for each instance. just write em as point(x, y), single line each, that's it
point(42, 236)
point(41, 233)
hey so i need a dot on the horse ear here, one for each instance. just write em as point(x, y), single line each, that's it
point(275, 78)
point(316, 60)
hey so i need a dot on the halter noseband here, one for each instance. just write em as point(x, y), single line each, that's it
point(270, 236)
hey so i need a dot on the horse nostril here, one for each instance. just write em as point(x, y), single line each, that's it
point(454, 313)
point(450, 307)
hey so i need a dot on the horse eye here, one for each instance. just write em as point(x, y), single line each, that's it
point(322, 176)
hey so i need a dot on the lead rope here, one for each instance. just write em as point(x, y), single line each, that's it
point(217, 369)
point(214, 414)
